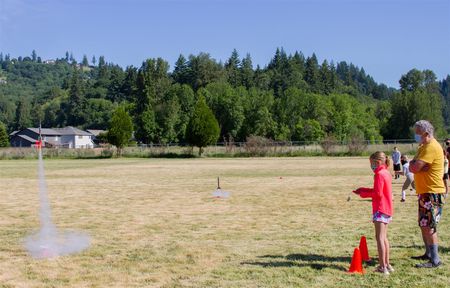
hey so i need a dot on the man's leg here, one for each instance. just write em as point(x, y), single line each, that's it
point(431, 238)
point(429, 219)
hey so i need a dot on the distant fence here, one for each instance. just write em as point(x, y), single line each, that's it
point(300, 148)
point(224, 149)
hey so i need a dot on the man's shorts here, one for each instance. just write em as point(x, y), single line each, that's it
point(397, 167)
point(430, 209)
point(380, 217)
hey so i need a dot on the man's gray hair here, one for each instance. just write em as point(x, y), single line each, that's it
point(425, 126)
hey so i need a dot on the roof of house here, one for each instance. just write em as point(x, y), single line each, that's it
point(13, 133)
point(69, 130)
point(27, 138)
point(95, 132)
point(45, 131)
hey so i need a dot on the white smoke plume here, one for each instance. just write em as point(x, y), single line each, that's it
point(48, 242)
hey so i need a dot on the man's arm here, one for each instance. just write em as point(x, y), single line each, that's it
point(416, 166)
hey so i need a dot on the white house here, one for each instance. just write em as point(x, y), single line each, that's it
point(72, 137)
point(68, 137)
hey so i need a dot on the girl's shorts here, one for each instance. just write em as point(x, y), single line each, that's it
point(380, 217)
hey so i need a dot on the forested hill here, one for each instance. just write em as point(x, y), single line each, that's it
point(293, 98)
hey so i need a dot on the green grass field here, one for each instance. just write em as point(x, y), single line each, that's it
point(154, 223)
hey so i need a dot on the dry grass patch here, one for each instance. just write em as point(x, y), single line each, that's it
point(154, 223)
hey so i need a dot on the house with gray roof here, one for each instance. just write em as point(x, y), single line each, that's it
point(67, 137)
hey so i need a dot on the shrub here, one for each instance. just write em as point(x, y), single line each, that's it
point(356, 145)
point(258, 146)
point(328, 144)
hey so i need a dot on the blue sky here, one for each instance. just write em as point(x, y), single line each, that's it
point(385, 37)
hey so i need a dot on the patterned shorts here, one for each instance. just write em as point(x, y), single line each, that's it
point(430, 209)
point(380, 217)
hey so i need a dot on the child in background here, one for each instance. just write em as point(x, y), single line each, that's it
point(382, 207)
point(396, 161)
point(409, 177)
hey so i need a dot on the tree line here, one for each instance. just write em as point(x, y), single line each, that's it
point(292, 98)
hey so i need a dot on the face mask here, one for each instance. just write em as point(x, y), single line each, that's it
point(418, 138)
point(373, 167)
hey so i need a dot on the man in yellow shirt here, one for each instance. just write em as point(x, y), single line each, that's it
point(428, 169)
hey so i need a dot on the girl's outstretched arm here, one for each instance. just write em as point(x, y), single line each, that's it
point(364, 192)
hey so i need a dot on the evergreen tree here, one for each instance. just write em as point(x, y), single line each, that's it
point(120, 129)
point(76, 103)
point(23, 114)
point(203, 128)
point(115, 84)
point(181, 72)
point(312, 76)
point(246, 71)
point(102, 77)
point(232, 69)
point(326, 78)
point(4, 139)
point(85, 61)
point(153, 83)
point(279, 70)
point(129, 84)
point(295, 71)
point(261, 78)
point(34, 56)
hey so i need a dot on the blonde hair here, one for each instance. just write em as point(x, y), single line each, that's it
point(379, 155)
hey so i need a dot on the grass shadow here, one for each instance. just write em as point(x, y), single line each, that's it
point(442, 249)
point(314, 261)
point(316, 257)
point(278, 264)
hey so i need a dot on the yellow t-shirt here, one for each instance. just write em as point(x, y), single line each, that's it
point(430, 181)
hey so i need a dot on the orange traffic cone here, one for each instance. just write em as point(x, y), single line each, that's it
point(356, 265)
point(363, 249)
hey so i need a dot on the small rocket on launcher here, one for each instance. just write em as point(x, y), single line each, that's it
point(39, 141)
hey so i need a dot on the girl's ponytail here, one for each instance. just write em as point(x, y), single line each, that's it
point(388, 161)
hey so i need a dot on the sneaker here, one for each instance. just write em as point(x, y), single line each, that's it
point(390, 268)
point(382, 270)
point(429, 265)
point(403, 200)
point(421, 257)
